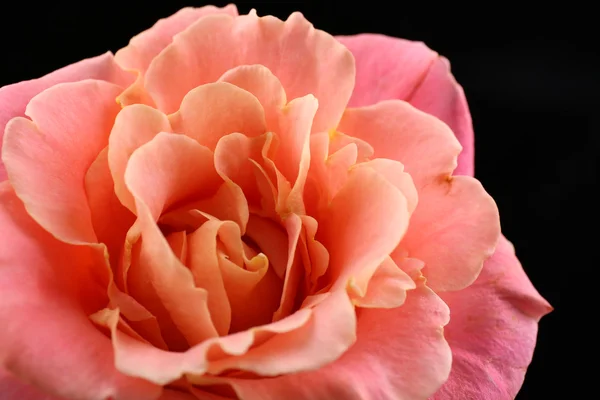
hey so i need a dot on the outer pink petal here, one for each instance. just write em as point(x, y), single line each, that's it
point(145, 46)
point(306, 61)
point(71, 358)
point(14, 98)
point(400, 353)
point(493, 330)
point(391, 68)
point(47, 158)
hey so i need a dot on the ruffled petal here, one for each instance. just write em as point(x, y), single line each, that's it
point(73, 120)
point(156, 276)
point(14, 98)
point(134, 126)
point(412, 366)
point(454, 229)
point(36, 298)
point(143, 47)
point(110, 219)
point(258, 80)
point(306, 340)
point(493, 330)
point(171, 169)
point(211, 111)
point(306, 61)
point(396, 130)
point(390, 68)
point(364, 223)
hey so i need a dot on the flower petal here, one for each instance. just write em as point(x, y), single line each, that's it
point(14, 388)
point(387, 68)
point(156, 276)
point(400, 132)
point(258, 80)
point(70, 119)
point(143, 47)
point(387, 288)
point(454, 229)
point(171, 169)
point(390, 68)
point(306, 61)
point(134, 126)
point(492, 350)
point(110, 219)
point(393, 171)
point(410, 367)
point(272, 240)
point(370, 202)
point(214, 110)
point(204, 265)
point(34, 300)
point(14, 98)
point(293, 155)
point(306, 340)
point(235, 161)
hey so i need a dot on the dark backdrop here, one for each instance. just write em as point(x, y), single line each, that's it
point(531, 79)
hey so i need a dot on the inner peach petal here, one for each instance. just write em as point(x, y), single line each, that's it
point(52, 187)
point(328, 170)
point(138, 359)
point(204, 264)
point(110, 219)
point(252, 287)
point(171, 169)
point(211, 111)
point(318, 254)
point(272, 240)
point(330, 331)
point(254, 293)
point(387, 287)
point(228, 203)
point(144, 47)
point(393, 171)
point(166, 287)
point(293, 270)
point(134, 126)
point(238, 159)
point(260, 81)
point(304, 59)
point(139, 318)
point(308, 339)
point(293, 155)
point(178, 244)
point(363, 224)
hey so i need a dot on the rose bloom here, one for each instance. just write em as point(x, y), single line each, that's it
point(242, 207)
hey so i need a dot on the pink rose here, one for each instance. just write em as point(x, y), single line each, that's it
point(264, 212)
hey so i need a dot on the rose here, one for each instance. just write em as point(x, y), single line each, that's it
point(82, 185)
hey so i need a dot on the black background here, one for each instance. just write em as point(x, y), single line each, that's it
point(531, 79)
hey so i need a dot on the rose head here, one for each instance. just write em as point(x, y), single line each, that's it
point(242, 207)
